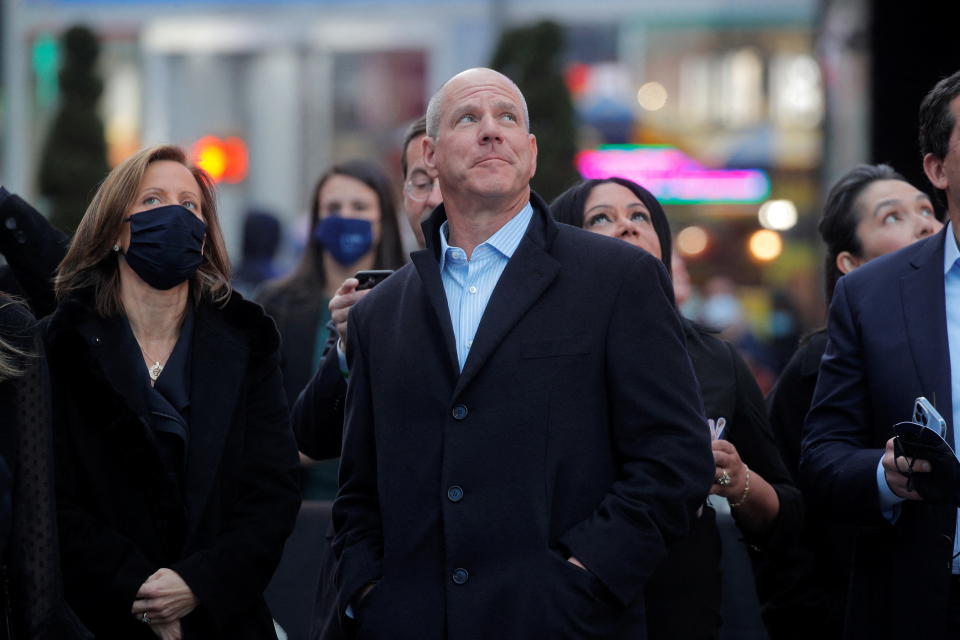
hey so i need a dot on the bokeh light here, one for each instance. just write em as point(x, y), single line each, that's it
point(765, 245)
point(652, 96)
point(778, 215)
point(692, 241)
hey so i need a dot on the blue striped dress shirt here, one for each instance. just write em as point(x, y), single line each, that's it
point(469, 283)
point(951, 291)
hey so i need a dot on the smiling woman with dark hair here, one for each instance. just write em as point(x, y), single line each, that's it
point(683, 595)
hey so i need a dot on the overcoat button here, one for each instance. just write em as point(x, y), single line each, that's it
point(455, 494)
point(10, 223)
point(460, 576)
point(460, 412)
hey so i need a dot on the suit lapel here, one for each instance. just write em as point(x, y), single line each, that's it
point(429, 271)
point(924, 311)
point(527, 275)
point(217, 368)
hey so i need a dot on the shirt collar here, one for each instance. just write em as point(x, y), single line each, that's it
point(505, 240)
point(951, 253)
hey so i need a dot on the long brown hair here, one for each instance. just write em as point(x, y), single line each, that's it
point(91, 261)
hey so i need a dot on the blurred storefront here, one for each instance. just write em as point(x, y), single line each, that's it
point(716, 86)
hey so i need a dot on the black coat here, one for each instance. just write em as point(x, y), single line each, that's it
point(887, 345)
point(684, 592)
point(32, 248)
point(575, 428)
point(298, 314)
point(121, 516)
point(812, 580)
point(31, 598)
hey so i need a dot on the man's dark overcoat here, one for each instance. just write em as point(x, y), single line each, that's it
point(120, 514)
point(887, 345)
point(574, 429)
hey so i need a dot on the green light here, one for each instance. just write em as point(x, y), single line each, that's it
point(46, 56)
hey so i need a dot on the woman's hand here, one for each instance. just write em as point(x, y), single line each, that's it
point(728, 465)
point(167, 631)
point(165, 598)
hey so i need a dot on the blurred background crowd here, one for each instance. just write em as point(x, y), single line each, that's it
point(737, 114)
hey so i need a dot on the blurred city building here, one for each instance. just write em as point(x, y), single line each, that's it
point(741, 111)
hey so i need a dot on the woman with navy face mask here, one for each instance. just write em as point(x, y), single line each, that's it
point(353, 227)
point(176, 467)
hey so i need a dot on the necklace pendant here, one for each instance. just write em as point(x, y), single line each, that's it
point(155, 370)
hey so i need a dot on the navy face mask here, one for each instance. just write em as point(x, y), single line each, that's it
point(165, 245)
point(347, 239)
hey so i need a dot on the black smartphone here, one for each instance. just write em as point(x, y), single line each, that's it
point(370, 279)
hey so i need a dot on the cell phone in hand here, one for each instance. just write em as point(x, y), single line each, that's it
point(371, 278)
point(925, 414)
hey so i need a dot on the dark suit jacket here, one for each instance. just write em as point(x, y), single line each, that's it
point(122, 517)
point(887, 345)
point(575, 428)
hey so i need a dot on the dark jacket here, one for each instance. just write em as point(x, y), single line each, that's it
point(574, 429)
point(298, 315)
point(812, 580)
point(887, 345)
point(32, 248)
point(122, 517)
point(31, 596)
point(684, 592)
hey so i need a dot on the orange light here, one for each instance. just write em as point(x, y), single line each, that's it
point(692, 241)
point(765, 245)
point(225, 160)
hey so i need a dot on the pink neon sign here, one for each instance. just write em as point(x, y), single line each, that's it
point(672, 176)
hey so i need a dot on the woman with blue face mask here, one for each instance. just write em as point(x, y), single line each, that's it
point(176, 468)
point(353, 227)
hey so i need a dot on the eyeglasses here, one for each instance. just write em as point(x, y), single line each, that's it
point(419, 188)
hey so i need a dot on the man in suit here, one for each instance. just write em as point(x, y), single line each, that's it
point(894, 335)
point(524, 433)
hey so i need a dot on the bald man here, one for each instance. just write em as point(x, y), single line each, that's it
point(523, 428)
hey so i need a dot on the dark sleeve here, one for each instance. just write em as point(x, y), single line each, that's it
point(789, 402)
point(230, 575)
point(33, 248)
point(659, 437)
point(358, 540)
point(751, 435)
point(318, 412)
point(838, 460)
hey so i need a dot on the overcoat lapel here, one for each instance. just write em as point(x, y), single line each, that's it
point(105, 338)
point(526, 276)
point(429, 270)
point(924, 310)
point(218, 365)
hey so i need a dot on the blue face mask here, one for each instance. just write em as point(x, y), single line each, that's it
point(165, 245)
point(347, 239)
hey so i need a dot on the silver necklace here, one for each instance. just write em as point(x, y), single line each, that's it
point(154, 369)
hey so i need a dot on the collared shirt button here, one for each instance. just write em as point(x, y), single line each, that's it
point(469, 343)
point(455, 493)
point(460, 576)
point(460, 412)
point(472, 289)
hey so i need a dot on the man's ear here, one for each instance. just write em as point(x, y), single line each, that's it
point(428, 145)
point(847, 262)
point(933, 167)
point(533, 151)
